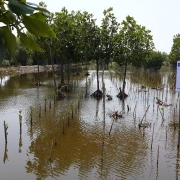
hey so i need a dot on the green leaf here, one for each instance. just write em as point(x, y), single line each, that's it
point(37, 7)
point(20, 8)
point(9, 39)
point(37, 27)
point(7, 18)
point(39, 16)
point(28, 42)
point(23, 1)
point(2, 48)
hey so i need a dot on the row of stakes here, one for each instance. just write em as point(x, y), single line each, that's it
point(45, 109)
point(80, 95)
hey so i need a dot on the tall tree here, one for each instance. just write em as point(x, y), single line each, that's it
point(174, 55)
point(109, 28)
point(132, 45)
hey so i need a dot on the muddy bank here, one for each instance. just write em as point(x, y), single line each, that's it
point(25, 69)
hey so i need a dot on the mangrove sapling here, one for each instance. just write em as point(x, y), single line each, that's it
point(152, 136)
point(72, 114)
point(68, 117)
point(141, 124)
point(166, 132)
point(5, 131)
point(20, 121)
point(31, 113)
point(54, 95)
point(39, 110)
point(161, 114)
point(157, 156)
point(50, 102)
point(51, 150)
point(63, 124)
point(134, 112)
point(45, 101)
point(20, 143)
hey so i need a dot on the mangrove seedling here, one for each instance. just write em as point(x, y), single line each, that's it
point(45, 101)
point(5, 131)
point(31, 113)
point(20, 120)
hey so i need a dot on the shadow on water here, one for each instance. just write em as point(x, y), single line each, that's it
point(71, 139)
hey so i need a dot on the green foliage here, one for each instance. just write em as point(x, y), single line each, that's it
point(20, 15)
point(109, 29)
point(133, 43)
point(154, 61)
point(5, 63)
point(37, 27)
point(174, 55)
point(21, 56)
point(28, 42)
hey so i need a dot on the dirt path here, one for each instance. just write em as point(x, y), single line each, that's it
point(24, 69)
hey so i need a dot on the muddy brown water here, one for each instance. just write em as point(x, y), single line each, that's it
point(91, 145)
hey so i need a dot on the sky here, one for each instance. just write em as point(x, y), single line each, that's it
point(162, 17)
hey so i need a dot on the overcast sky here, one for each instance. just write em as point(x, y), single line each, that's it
point(162, 17)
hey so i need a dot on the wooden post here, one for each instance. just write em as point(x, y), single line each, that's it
point(179, 128)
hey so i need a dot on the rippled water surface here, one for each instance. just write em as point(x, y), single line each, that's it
point(76, 138)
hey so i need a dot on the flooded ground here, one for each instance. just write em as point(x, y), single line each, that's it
point(76, 138)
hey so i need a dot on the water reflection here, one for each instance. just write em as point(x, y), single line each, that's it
point(4, 80)
point(57, 145)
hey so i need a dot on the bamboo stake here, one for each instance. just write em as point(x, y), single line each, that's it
point(144, 114)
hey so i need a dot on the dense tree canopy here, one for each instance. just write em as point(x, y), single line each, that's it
point(79, 38)
point(154, 61)
point(174, 55)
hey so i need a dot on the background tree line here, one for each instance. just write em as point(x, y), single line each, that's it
point(79, 39)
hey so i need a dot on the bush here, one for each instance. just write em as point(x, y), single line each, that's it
point(155, 61)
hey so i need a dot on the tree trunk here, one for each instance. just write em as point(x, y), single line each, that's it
point(124, 78)
point(55, 85)
point(62, 72)
point(97, 64)
point(38, 77)
point(68, 71)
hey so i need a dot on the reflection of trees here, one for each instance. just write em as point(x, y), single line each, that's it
point(22, 81)
point(81, 146)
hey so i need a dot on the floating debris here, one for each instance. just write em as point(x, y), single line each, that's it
point(109, 97)
point(162, 103)
point(115, 114)
point(144, 125)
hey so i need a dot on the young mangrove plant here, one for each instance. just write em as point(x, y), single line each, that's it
point(20, 120)
point(45, 102)
point(31, 113)
point(5, 131)
point(39, 110)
